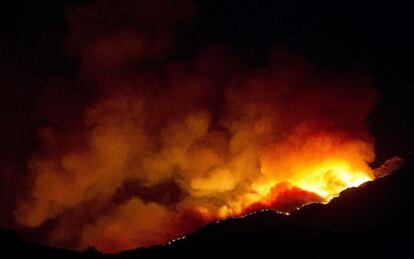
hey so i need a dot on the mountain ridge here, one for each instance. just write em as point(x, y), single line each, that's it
point(373, 219)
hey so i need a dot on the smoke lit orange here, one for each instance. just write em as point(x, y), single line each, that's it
point(164, 146)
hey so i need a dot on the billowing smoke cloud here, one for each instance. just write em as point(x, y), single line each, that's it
point(157, 145)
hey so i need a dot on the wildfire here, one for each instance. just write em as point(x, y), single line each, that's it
point(166, 144)
point(330, 178)
point(326, 180)
point(318, 183)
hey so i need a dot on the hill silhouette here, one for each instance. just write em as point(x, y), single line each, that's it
point(375, 219)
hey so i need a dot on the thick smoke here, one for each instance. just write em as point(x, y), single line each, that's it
point(158, 145)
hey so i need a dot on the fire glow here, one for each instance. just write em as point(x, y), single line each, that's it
point(162, 147)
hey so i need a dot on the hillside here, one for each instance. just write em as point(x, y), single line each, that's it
point(375, 219)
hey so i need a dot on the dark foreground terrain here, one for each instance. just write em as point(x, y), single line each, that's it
point(374, 220)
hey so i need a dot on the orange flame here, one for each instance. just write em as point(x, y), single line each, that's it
point(164, 147)
point(217, 168)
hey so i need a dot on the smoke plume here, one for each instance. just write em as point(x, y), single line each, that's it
point(145, 145)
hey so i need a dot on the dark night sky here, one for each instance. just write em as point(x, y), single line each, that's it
point(373, 38)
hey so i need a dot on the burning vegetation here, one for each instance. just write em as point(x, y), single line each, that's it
point(161, 144)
